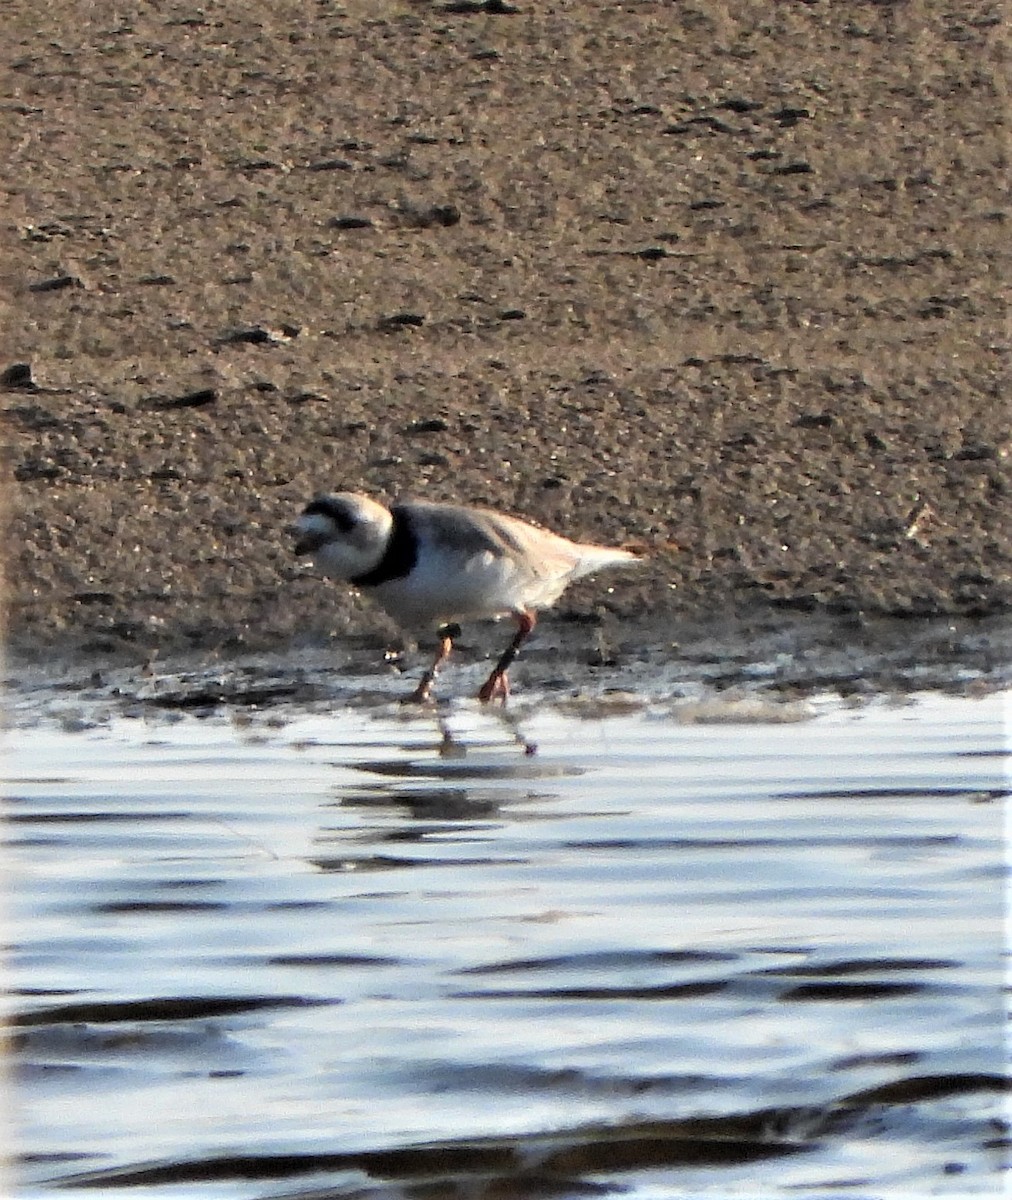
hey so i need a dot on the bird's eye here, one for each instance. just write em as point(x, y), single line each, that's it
point(334, 510)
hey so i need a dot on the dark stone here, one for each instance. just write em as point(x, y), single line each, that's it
point(739, 104)
point(250, 337)
point(34, 417)
point(979, 453)
point(496, 8)
point(17, 377)
point(404, 320)
point(56, 284)
point(199, 399)
point(791, 116)
point(445, 214)
point(36, 469)
point(431, 425)
point(691, 124)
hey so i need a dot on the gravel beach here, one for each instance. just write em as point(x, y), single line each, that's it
point(721, 282)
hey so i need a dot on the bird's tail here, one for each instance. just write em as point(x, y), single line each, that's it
point(594, 558)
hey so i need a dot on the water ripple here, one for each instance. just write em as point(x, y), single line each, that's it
point(359, 954)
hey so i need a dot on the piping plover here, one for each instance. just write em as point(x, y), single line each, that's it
point(437, 564)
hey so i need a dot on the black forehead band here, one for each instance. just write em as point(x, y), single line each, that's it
point(339, 511)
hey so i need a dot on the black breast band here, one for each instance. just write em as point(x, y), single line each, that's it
point(399, 557)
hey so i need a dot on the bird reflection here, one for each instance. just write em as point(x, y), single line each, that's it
point(451, 746)
point(433, 804)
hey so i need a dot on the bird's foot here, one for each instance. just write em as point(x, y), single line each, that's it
point(421, 695)
point(496, 687)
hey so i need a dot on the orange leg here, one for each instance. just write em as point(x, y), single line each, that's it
point(423, 692)
point(497, 686)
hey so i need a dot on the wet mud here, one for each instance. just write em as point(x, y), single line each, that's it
point(721, 282)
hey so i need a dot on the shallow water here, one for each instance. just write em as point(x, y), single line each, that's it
point(674, 952)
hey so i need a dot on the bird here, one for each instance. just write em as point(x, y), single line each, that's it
point(432, 564)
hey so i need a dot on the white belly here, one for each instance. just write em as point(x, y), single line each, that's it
point(439, 590)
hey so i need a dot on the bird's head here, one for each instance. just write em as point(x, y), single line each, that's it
point(346, 534)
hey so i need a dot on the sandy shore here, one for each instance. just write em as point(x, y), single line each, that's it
point(721, 281)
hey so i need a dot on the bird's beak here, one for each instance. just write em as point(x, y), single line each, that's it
point(306, 542)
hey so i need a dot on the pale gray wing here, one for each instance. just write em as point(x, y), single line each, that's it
point(471, 532)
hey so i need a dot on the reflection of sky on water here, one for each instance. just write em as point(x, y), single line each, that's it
point(429, 933)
